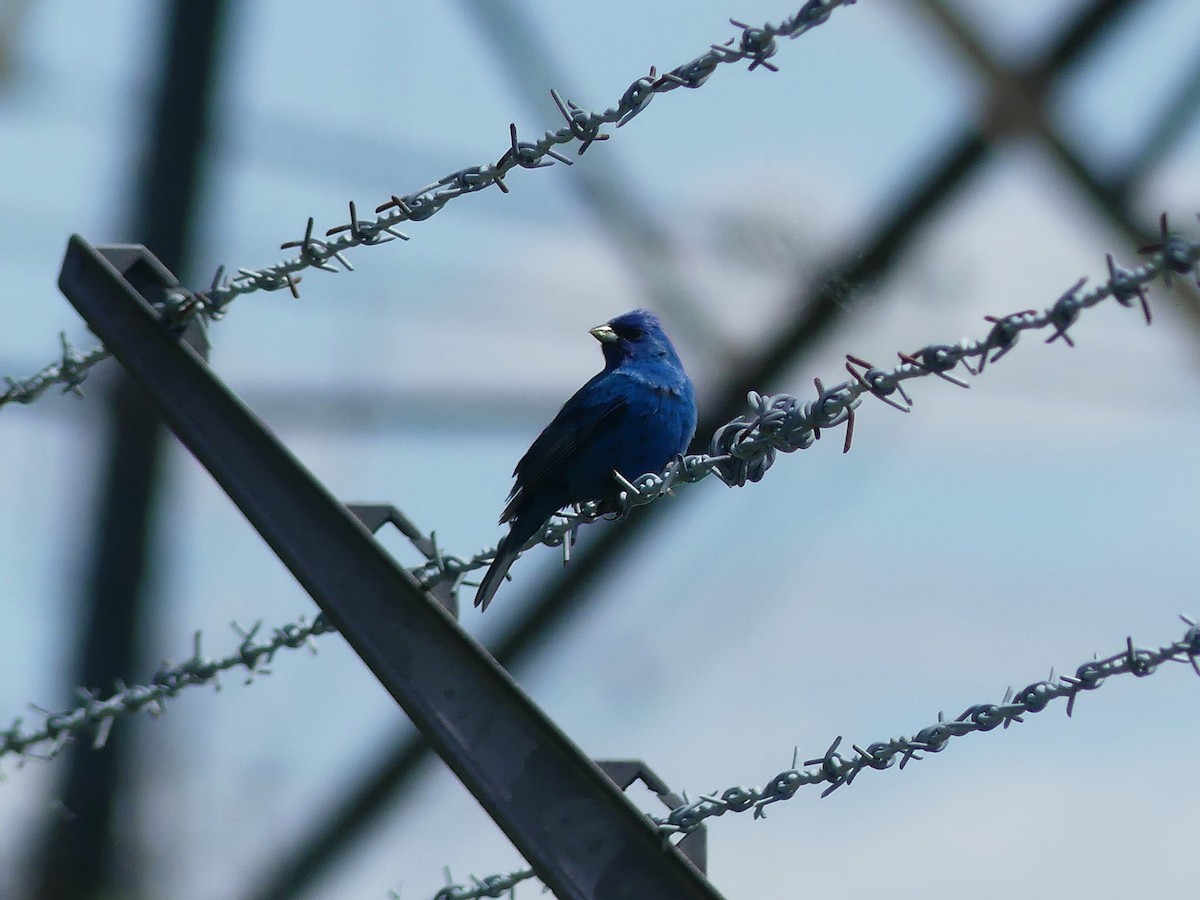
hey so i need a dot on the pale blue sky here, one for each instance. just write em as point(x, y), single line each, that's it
point(1031, 521)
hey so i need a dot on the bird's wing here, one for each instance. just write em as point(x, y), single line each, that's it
point(593, 408)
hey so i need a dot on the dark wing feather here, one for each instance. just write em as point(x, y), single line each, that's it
point(591, 409)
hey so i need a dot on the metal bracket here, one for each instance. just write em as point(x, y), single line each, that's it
point(625, 772)
point(375, 515)
point(158, 286)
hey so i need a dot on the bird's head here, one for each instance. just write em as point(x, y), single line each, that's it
point(636, 335)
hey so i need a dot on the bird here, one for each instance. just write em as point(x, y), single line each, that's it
point(632, 417)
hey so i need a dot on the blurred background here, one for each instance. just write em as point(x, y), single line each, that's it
point(912, 167)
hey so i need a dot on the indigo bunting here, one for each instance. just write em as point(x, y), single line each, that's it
point(633, 417)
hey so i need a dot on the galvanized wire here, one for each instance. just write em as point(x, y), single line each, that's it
point(755, 45)
point(741, 451)
point(70, 371)
point(96, 716)
point(490, 886)
point(837, 770)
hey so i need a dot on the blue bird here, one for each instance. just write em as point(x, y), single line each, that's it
point(633, 417)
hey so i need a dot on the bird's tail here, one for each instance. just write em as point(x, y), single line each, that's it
point(505, 554)
point(525, 524)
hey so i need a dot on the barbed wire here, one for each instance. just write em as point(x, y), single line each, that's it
point(491, 886)
point(70, 371)
point(836, 770)
point(756, 45)
point(94, 714)
point(741, 451)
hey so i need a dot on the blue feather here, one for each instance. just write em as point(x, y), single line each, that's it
point(633, 417)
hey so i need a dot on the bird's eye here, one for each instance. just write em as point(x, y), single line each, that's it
point(634, 334)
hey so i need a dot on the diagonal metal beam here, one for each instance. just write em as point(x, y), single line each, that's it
point(571, 822)
point(816, 308)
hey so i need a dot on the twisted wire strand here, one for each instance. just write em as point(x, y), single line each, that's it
point(97, 715)
point(489, 886)
point(837, 770)
point(755, 45)
point(741, 451)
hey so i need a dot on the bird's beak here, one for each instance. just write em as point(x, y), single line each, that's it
point(604, 334)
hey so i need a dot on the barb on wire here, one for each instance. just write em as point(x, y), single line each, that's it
point(835, 769)
point(491, 886)
point(70, 371)
point(755, 45)
point(96, 715)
